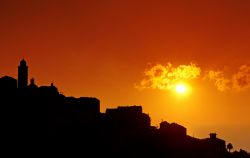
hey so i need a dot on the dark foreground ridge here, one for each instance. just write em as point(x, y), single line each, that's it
point(41, 121)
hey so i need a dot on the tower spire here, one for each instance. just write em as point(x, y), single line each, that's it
point(22, 75)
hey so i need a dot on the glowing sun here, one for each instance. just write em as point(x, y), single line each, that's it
point(181, 88)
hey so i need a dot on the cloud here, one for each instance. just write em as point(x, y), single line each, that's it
point(164, 77)
point(241, 79)
point(218, 77)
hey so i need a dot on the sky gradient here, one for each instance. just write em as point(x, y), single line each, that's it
point(103, 49)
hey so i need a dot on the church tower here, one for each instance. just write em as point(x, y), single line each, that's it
point(22, 75)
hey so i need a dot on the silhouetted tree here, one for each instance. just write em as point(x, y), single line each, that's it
point(229, 147)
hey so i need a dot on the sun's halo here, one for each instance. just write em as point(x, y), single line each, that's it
point(181, 88)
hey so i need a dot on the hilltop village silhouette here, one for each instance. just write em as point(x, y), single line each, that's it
point(41, 120)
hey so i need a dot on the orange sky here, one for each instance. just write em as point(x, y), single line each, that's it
point(102, 48)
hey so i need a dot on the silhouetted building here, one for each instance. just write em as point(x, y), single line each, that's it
point(85, 109)
point(128, 117)
point(214, 146)
point(48, 91)
point(173, 137)
point(173, 129)
point(240, 154)
point(32, 88)
point(32, 83)
point(8, 85)
point(213, 135)
point(76, 125)
point(22, 75)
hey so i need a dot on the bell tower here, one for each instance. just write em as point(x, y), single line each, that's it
point(22, 75)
